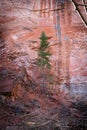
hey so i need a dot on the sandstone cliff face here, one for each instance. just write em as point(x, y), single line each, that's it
point(21, 25)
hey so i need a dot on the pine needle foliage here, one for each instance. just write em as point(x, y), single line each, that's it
point(43, 52)
point(43, 60)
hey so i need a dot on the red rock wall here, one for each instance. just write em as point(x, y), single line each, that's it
point(21, 25)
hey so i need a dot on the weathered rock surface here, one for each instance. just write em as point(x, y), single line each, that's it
point(20, 31)
point(21, 25)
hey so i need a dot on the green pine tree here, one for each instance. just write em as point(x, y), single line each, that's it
point(43, 56)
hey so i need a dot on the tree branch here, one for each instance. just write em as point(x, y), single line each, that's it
point(81, 4)
point(85, 5)
point(79, 11)
point(46, 9)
